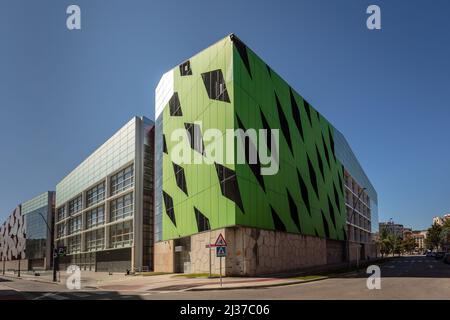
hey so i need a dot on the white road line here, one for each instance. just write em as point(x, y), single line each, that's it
point(52, 296)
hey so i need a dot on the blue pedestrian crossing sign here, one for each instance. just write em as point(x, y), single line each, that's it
point(221, 252)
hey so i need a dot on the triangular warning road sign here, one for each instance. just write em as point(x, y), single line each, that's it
point(220, 242)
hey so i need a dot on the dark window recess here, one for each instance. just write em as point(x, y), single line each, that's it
point(331, 211)
point(164, 144)
point(269, 71)
point(308, 110)
point(326, 227)
point(266, 126)
point(341, 184)
point(319, 160)
point(278, 223)
point(228, 185)
point(316, 233)
point(296, 114)
point(215, 85)
point(284, 124)
point(175, 106)
point(336, 197)
point(185, 69)
point(330, 135)
point(180, 178)
point(195, 137)
point(327, 155)
point(294, 211)
point(202, 221)
point(242, 50)
point(168, 202)
point(313, 177)
point(255, 167)
point(304, 192)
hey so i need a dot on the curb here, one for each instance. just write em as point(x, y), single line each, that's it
point(258, 287)
point(30, 279)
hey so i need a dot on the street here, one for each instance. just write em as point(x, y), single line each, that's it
point(412, 277)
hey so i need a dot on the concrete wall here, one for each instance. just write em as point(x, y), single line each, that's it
point(253, 251)
point(163, 256)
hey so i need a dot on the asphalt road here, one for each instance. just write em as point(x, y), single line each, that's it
point(415, 277)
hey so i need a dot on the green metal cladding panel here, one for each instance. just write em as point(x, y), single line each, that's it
point(306, 195)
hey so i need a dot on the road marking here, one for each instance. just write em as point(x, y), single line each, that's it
point(80, 295)
point(52, 296)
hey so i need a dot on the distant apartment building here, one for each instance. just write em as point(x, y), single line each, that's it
point(26, 235)
point(392, 228)
point(419, 238)
point(104, 207)
point(438, 220)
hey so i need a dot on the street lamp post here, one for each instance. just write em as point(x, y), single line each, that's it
point(55, 255)
point(350, 221)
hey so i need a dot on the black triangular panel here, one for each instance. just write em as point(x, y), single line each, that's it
point(215, 85)
point(195, 137)
point(283, 123)
point(304, 192)
point(294, 211)
point(336, 197)
point(250, 147)
point(296, 114)
point(202, 221)
point(168, 202)
point(269, 70)
point(331, 211)
point(164, 144)
point(278, 223)
point(308, 110)
point(313, 176)
point(331, 143)
point(325, 226)
point(327, 155)
point(266, 126)
point(341, 184)
point(228, 185)
point(180, 178)
point(175, 106)
point(316, 233)
point(242, 50)
point(319, 160)
point(185, 69)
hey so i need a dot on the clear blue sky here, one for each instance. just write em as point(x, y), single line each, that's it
point(62, 93)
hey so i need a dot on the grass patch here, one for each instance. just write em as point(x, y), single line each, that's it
point(197, 275)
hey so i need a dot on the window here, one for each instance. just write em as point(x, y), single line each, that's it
point(96, 194)
point(74, 244)
point(60, 230)
point(121, 234)
point(95, 217)
point(74, 225)
point(75, 205)
point(95, 240)
point(61, 213)
point(122, 180)
point(122, 207)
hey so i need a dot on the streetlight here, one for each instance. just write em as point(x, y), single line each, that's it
point(55, 257)
point(350, 221)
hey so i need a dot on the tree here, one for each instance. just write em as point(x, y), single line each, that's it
point(433, 240)
point(408, 245)
point(385, 243)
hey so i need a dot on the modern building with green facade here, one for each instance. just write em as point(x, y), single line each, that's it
point(317, 202)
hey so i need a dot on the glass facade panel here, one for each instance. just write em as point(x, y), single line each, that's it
point(95, 194)
point(122, 207)
point(75, 225)
point(75, 205)
point(122, 180)
point(95, 217)
point(95, 240)
point(121, 234)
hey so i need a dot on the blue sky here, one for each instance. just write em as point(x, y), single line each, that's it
point(63, 93)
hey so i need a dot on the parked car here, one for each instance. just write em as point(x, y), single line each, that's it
point(439, 255)
point(446, 258)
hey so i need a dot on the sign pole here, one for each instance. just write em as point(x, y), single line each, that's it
point(220, 271)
